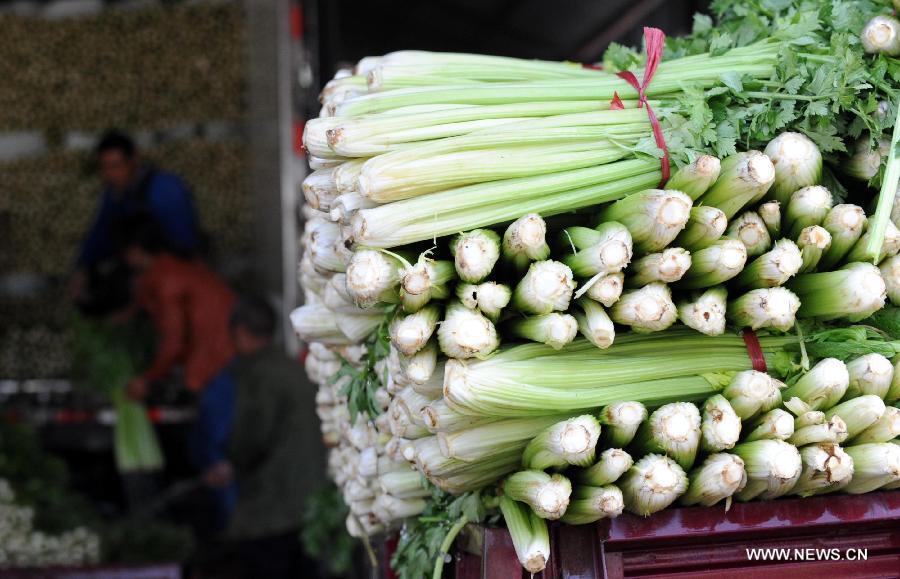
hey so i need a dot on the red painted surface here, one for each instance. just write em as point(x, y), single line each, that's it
point(296, 17)
point(390, 547)
point(710, 542)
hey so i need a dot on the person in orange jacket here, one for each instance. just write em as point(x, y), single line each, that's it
point(188, 303)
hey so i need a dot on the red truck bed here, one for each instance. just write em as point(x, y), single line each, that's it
point(823, 537)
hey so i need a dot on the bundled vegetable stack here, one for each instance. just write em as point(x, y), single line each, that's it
point(568, 289)
point(23, 546)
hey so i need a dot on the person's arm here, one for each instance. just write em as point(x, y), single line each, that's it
point(173, 205)
point(170, 316)
point(97, 237)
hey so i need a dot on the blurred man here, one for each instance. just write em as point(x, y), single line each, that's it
point(131, 187)
point(275, 451)
point(188, 303)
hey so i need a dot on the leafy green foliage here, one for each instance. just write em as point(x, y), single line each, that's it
point(844, 344)
point(886, 320)
point(324, 533)
point(131, 542)
point(40, 481)
point(824, 84)
point(360, 389)
point(108, 355)
point(421, 538)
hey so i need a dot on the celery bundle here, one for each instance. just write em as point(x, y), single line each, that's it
point(505, 301)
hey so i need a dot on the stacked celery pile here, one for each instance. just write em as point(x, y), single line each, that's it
point(502, 298)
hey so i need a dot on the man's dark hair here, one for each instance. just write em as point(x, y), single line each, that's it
point(115, 140)
point(254, 314)
point(142, 231)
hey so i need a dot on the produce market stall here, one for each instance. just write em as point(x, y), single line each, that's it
point(657, 292)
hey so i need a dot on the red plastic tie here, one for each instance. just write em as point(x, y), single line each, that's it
point(757, 359)
point(616, 103)
point(592, 66)
point(655, 40)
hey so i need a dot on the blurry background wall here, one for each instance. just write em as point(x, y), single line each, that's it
point(172, 75)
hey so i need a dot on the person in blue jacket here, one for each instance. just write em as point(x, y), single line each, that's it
point(208, 445)
point(132, 187)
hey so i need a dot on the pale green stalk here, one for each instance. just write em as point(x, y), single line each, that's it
point(751, 393)
point(554, 329)
point(648, 309)
point(718, 478)
point(831, 430)
point(569, 442)
point(475, 253)
point(385, 182)
point(547, 495)
point(890, 272)
point(652, 484)
point(480, 442)
point(826, 468)
point(744, 178)
point(853, 292)
point(715, 264)
point(547, 286)
point(822, 386)
point(775, 424)
point(695, 178)
point(491, 297)
point(706, 313)
point(705, 226)
point(813, 242)
point(373, 277)
point(672, 430)
point(807, 206)
point(720, 427)
point(426, 218)
point(887, 428)
point(607, 289)
point(773, 468)
point(869, 374)
point(594, 324)
point(613, 463)
point(427, 279)
point(668, 266)
point(798, 164)
point(438, 417)
point(874, 465)
point(750, 229)
point(529, 533)
point(411, 333)
point(590, 504)
point(772, 268)
point(770, 213)
point(524, 241)
point(890, 245)
point(606, 249)
point(654, 217)
point(858, 413)
point(465, 333)
point(621, 421)
point(846, 223)
point(774, 307)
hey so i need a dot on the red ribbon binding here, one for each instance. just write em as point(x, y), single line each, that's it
point(757, 359)
point(655, 40)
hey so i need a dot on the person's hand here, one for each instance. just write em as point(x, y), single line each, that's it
point(137, 388)
point(218, 475)
point(78, 283)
